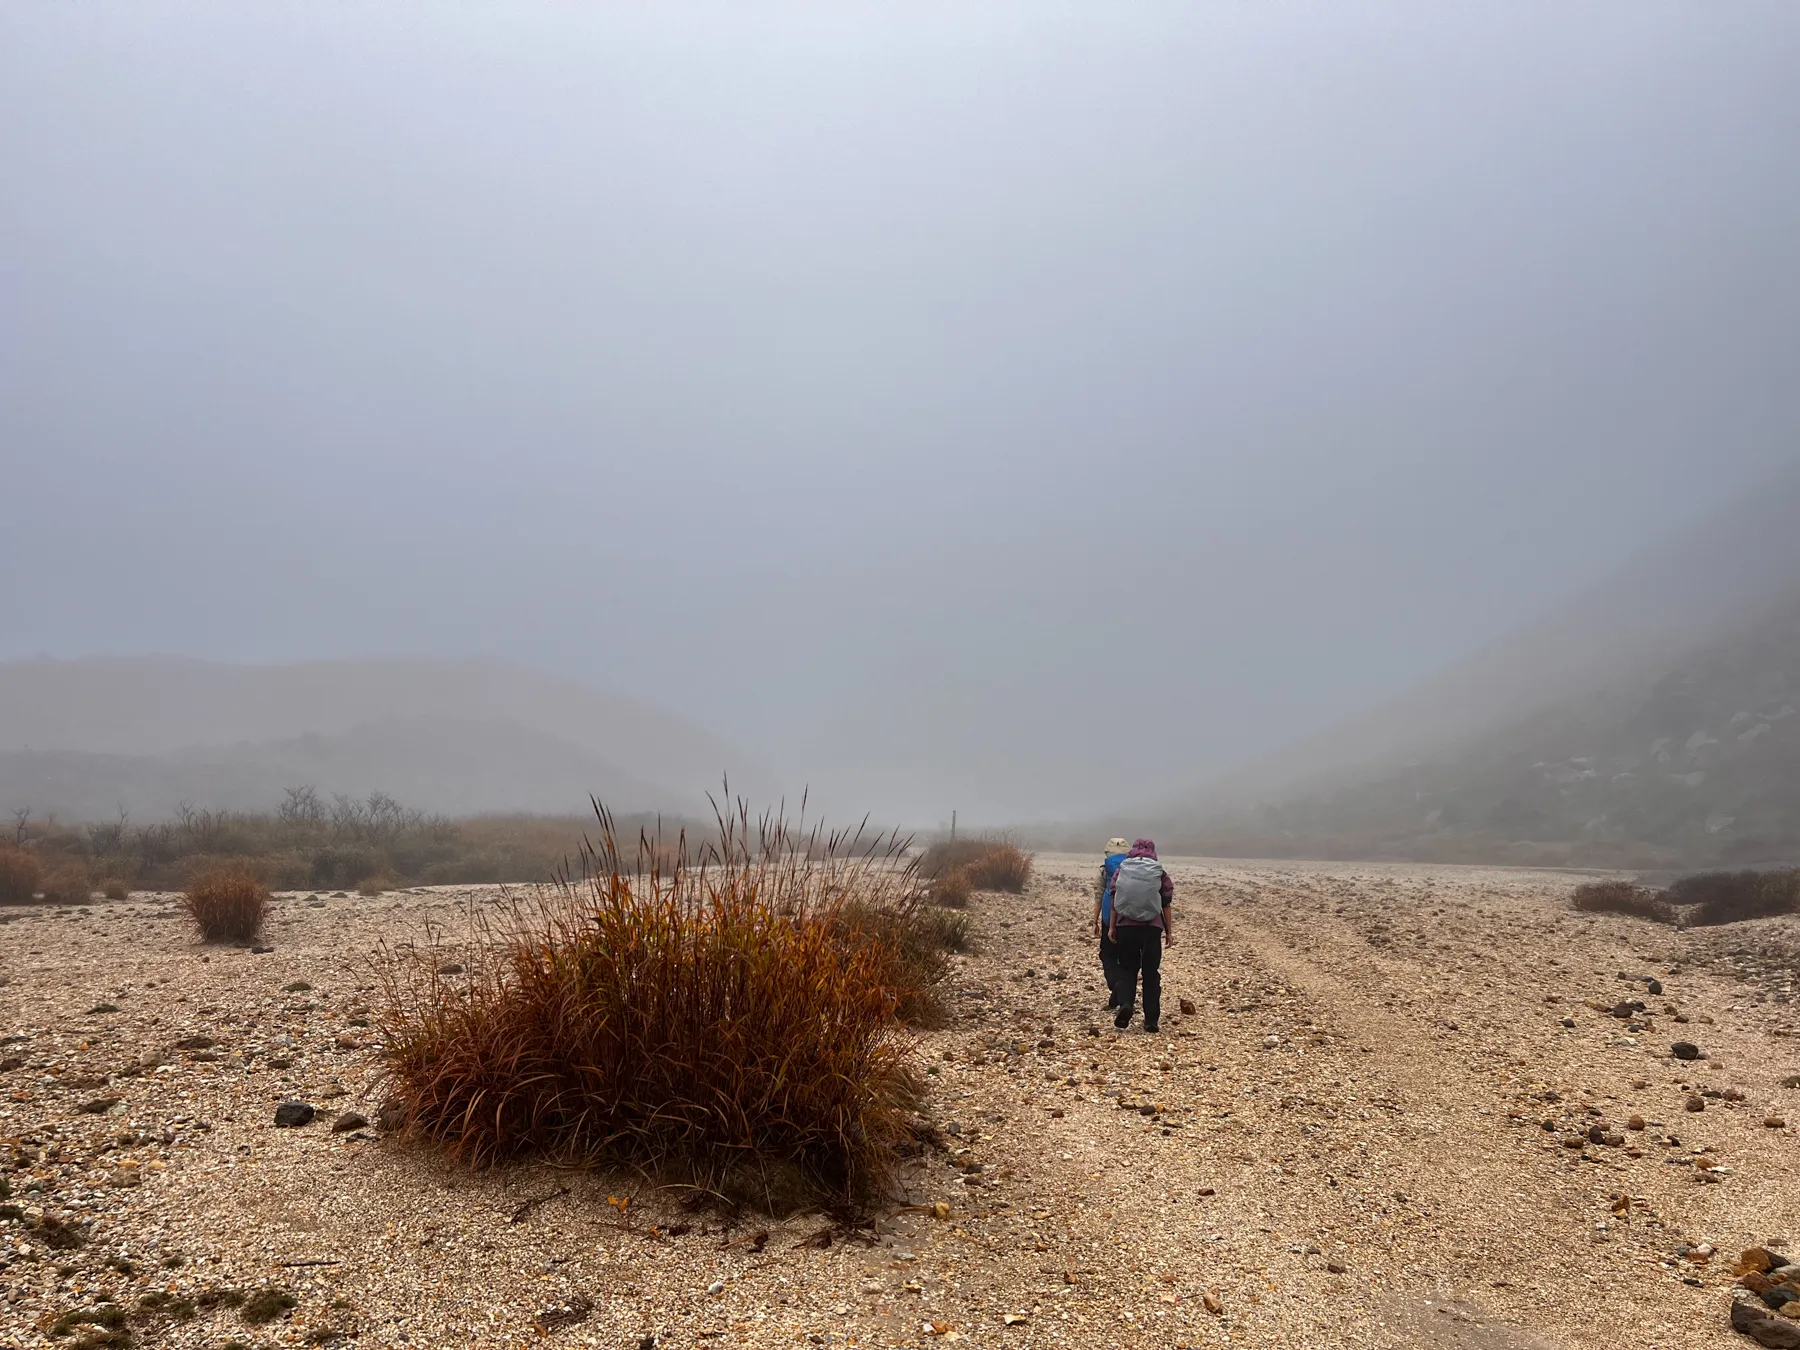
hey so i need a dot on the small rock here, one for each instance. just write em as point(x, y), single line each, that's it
point(1213, 1306)
point(1755, 1260)
point(196, 1043)
point(1335, 1267)
point(1653, 986)
point(1188, 1009)
point(716, 1288)
point(1775, 1123)
point(100, 1008)
point(100, 1105)
point(261, 951)
point(350, 1120)
point(1685, 1050)
point(1635, 1123)
point(1696, 1102)
point(291, 1114)
point(1568, 1021)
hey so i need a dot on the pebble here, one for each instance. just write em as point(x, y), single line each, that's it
point(1685, 1050)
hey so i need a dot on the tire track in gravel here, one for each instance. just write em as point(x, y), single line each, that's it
point(1512, 1221)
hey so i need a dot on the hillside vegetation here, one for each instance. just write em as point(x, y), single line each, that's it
point(1695, 766)
point(310, 842)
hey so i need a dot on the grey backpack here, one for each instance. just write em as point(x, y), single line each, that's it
point(1137, 890)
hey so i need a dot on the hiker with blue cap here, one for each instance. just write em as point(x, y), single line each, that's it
point(1116, 849)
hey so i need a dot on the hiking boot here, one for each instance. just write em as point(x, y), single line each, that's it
point(1123, 1020)
point(1150, 1028)
point(1111, 1006)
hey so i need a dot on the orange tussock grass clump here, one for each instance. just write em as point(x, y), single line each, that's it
point(953, 888)
point(227, 906)
point(1622, 897)
point(733, 1020)
point(988, 864)
point(20, 873)
point(115, 888)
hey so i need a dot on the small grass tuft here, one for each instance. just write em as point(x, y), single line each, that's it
point(1622, 897)
point(116, 888)
point(953, 888)
point(227, 906)
point(265, 1305)
point(990, 864)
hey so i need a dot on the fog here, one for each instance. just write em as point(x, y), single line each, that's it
point(1010, 408)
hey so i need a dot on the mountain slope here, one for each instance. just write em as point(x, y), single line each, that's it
point(1682, 593)
point(85, 738)
point(1700, 765)
point(1539, 746)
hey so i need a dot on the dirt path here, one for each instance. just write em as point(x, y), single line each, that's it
point(1343, 1143)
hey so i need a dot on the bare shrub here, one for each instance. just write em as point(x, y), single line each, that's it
point(1730, 897)
point(370, 887)
point(67, 884)
point(115, 888)
point(736, 1015)
point(990, 864)
point(227, 906)
point(20, 873)
point(1622, 897)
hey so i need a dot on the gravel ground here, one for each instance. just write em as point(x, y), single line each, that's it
point(1371, 1129)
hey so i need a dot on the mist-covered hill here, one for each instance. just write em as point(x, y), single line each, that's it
point(1696, 765)
point(1647, 720)
point(86, 739)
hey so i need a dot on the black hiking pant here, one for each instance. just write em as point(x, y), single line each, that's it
point(1109, 966)
point(1140, 949)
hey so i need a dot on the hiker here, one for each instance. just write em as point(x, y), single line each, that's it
point(1142, 923)
point(1116, 849)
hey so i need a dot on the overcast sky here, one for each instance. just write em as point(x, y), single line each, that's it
point(957, 405)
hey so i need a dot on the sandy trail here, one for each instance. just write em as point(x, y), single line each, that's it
point(1342, 1145)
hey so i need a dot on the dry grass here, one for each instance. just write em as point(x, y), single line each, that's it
point(953, 888)
point(20, 873)
point(1622, 897)
point(734, 1021)
point(1730, 897)
point(988, 864)
point(115, 888)
point(227, 906)
point(67, 884)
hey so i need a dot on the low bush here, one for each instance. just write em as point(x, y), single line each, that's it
point(1622, 897)
point(115, 888)
point(20, 873)
point(370, 887)
point(989, 864)
point(1730, 897)
point(734, 1019)
point(67, 884)
point(227, 906)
